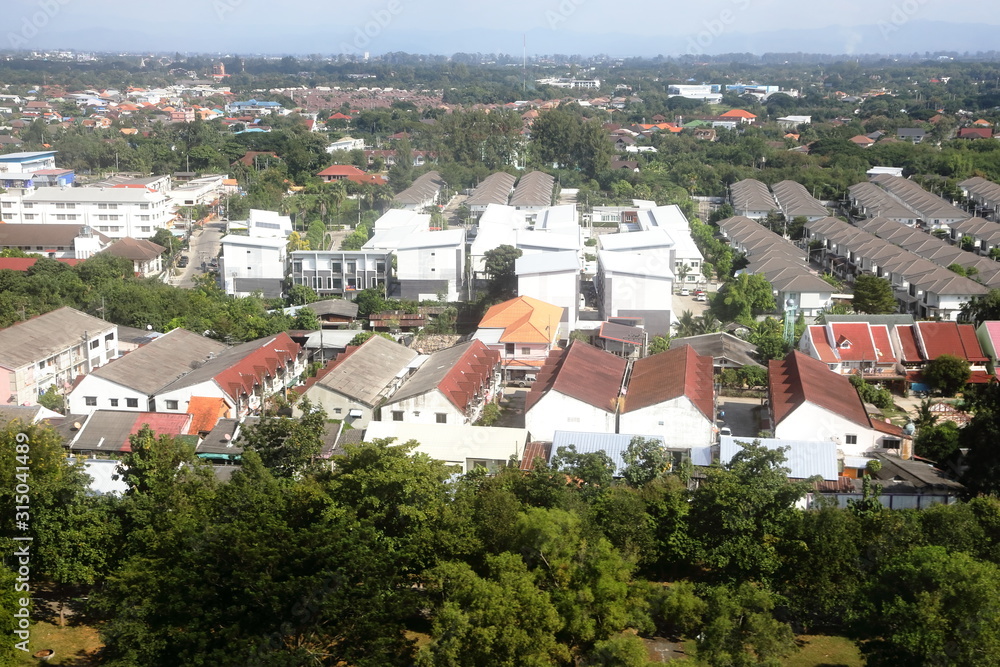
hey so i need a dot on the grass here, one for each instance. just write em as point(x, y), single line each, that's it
point(814, 651)
point(73, 644)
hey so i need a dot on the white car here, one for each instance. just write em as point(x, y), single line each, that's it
point(725, 430)
point(685, 292)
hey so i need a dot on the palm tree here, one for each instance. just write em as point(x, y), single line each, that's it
point(686, 325)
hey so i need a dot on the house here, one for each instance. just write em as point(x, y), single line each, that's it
point(51, 350)
point(726, 350)
point(451, 387)
point(622, 336)
point(206, 412)
point(54, 241)
point(906, 484)
point(267, 224)
point(988, 334)
point(792, 122)
point(353, 386)
point(552, 277)
point(925, 341)
point(431, 263)
point(854, 348)
point(577, 389)
point(422, 193)
point(671, 394)
point(635, 284)
point(132, 381)
point(808, 402)
point(795, 201)
point(533, 193)
point(26, 414)
point(146, 256)
point(745, 117)
point(803, 458)
point(468, 447)
point(912, 134)
point(494, 189)
point(244, 376)
point(346, 172)
point(862, 141)
point(975, 133)
point(332, 313)
point(105, 433)
point(751, 198)
point(346, 144)
point(523, 330)
point(249, 264)
point(341, 272)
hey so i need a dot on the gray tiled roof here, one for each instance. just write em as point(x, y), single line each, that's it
point(160, 362)
point(43, 336)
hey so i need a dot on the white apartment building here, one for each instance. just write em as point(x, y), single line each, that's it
point(253, 264)
point(115, 212)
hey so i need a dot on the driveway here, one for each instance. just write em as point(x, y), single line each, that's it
point(512, 404)
point(740, 415)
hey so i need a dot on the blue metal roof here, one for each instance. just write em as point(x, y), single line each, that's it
point(804, 458)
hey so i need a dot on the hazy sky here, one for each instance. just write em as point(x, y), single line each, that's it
point(446, 26)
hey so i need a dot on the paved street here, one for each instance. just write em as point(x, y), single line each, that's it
point(740, 415)
point(203, 247)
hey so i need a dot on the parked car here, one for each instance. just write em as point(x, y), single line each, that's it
point(725, 430)
point(700, 297)
point(685, 291)
point(699, 292)
point(526, 381)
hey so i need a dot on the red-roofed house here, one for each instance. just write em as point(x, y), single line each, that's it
point(451, 387)
point(577, 389)
point(808, 403)
point(743, 115)
point(989, 338)
point(975, 133)
point(853, 348)
point(243, 375)
point(958, 340)
point(347, 172)
point(671, 394)
point(106, 432)
point(205, 414)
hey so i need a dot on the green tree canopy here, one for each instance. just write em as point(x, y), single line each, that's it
point(947, 374)
point(873, 295)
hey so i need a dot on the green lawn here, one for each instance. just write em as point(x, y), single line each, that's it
point(814, 651)
point(72, 644)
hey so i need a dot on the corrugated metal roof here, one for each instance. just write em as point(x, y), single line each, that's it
point(583, 372)
point(799, 379)
point(612, 444)
point(668, 375)
point(804, 458)
point(161, 361)
point(41, 337)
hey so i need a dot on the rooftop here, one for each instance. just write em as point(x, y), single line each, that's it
point(45, 335)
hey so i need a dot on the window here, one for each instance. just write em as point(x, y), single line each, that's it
point(851, 439)
point(525, 350)
point(132, 402)
point(8, 204)
point(27, 204)
point(171, 405)
point(508, 349)
point(145, 230)
point(90, 400)
point(29, 216)
point(336, 267)
point(397, 415)
point(144, 207)
point(113, 402)
point(144, 218)
point(441, 418)
point(60, 216)
point(338, 411)
point(109, 336)
point(94, 344)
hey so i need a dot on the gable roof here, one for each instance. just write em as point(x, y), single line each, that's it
point(363, 372)
point(524, 320)
point(42, 336)
point(206, 411)
point(460, 373)
point(959, 340)
point(344, 170)
point(135, 249)
point(668, 375)
point(800, 379)
point(109, 430)
point(160, 362)
point(583, 372)
point(721, 345)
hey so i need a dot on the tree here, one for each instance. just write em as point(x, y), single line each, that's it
point(659, 344)
point(937, 442)
point(52, 399)
point(979, 436)
point(743, 298)
point(300, 295)
point(286, 446)
point(645, 460)
point(593, 469)
point(741, 630)
point(873, 295)
point(499, 269)
point(947, 374)
point(931, 606)
point(502, 618)
point(740, 513)
point(362, 337)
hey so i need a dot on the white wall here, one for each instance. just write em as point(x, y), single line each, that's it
point(630, 292)
point(811, 422)
point(679, 422)
point(332, 401)
point(182, 395)
point(423, 409)
point(558, 412)
point(104, 390)
point(559, 289)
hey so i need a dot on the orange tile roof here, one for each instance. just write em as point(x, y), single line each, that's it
point(205, 412)
point(524, 320)
point(737, 113)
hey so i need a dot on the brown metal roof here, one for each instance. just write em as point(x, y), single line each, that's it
point(669, 375)
point(583, 372)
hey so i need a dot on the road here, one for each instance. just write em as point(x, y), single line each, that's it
point(740, 415)
point(204, 246)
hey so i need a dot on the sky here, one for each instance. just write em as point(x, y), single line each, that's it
point(547, 26)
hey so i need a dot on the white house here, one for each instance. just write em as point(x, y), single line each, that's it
point(635, 284)
point(808, 402)
point(577, 389)
point(131, 382)
point(671, 394)
point(54, 241)
point(250, 264)
point(346, 144)
point(269, 224)
point(341, 272)
point(430, 263)
point(524, 331)
point(450, 387)
point(552, 277)
point(352, 386)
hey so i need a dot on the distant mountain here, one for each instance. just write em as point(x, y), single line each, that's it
point(891, 36)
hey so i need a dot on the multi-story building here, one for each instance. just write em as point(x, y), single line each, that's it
point(341, 272)
point(252, 264)
point(52, 350)
point(115, 212)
